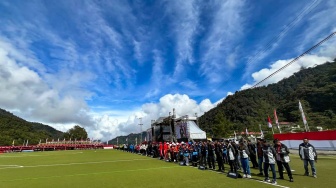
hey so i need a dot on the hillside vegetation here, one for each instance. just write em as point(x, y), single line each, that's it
point(314, 87)
point(20, 130)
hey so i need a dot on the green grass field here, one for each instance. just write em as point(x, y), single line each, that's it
point(111, 168)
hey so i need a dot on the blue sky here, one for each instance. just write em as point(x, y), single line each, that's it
point(103, 64)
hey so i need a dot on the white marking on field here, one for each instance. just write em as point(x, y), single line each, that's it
point(10, 166)
point(36, 155)
point(83, 163)
point(94, 173)
point(260, 181)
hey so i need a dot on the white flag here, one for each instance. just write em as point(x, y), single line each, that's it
point(247, 133)
point(262, 133)
point(302, 113)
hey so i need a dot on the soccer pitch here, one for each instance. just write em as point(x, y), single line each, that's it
point(112, 168)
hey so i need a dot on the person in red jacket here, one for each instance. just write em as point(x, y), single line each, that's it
point(165, 150)
point(161, 150)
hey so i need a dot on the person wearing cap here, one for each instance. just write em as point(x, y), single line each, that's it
point(282, 159)
point(244, 159)
point(308, 154)
point(269, 155)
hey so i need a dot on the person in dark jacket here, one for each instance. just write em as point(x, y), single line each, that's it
point(308, 154)
point(225, 159)
point(219, 157)
point(235, 147)
point(260, 157)
point(244, 158)
point(252, 150)
point(203, 152)
point(231, 156)
point(282, 159)
point(211, 156)
point(269, 160)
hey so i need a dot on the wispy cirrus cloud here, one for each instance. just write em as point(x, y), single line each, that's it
point(221, 44)
point(272, 41)
point(184, 16)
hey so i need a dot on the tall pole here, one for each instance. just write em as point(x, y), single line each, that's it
point(140, 129)
point(196, 119)
point(170, 126)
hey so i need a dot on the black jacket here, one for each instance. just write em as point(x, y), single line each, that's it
point(281, 152)
point(251, 148)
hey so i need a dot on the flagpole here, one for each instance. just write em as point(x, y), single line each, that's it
point(276, 120)
point(262, 133)
point(270, 124)
point(305, 123)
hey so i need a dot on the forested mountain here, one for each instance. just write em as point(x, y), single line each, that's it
point(314, 87)
point(18, 129)
point(131, 139)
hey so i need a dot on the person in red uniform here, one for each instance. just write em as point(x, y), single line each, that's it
point(161, 150)
point(165, 150)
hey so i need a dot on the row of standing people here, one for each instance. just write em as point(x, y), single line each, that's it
point(205, 154)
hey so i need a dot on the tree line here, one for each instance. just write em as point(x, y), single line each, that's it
point(13, 128)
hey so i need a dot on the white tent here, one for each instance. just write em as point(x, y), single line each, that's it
point(195, 132)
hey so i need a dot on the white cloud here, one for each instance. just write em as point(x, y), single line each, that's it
point(23, 89)
point(110, 127)
point(304, 62)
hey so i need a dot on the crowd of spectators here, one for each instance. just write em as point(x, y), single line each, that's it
point(236, 154)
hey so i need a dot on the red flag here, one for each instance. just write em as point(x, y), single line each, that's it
point(269, 122)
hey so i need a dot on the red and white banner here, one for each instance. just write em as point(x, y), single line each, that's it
point(321, 140)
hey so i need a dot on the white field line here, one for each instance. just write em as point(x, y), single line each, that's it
point(9, 166)
point(69, 164)
point(319, 156)
point(260, 181)
point(88, 174)
point(37, 155)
